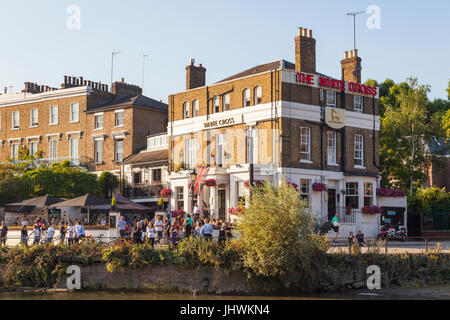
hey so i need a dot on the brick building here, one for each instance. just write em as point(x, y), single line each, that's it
point(82, 121)
point(292, 122)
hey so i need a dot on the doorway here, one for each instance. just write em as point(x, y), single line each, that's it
point(221, 197)
point(331, 203)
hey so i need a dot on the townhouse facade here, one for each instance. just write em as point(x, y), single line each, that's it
point(287, 121)
point(66, 123)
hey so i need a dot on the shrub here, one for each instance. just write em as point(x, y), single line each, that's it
point(276, 231)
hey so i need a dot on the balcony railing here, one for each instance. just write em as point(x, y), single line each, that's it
point(347, 216)
point(77, 161)
point(143, 191)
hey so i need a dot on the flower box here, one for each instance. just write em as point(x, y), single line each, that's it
point(386, 192)
point(372, 210)
point(166, 192)
point(235, 211)
point(319, 186)
point(210, 183)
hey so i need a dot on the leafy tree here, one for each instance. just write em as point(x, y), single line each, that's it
point(13, 188)
point(446, 123)
point(107, 183)
point(276, 231)
point(404, 134)
point(61, 180)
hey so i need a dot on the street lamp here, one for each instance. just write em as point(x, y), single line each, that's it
point(192, 188)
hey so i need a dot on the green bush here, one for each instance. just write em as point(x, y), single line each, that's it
point(276, 231)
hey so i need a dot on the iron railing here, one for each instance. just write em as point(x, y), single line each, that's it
point(143, 191)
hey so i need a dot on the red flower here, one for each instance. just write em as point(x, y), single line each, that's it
point(319, 186)
point(210, 183)
point(166, 192)
point(372, 210)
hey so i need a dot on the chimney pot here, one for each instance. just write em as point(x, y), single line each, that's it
point(356, 52)
point(299, 31)
point(304, 31)
point(346, 54)
point(122, 80)
point(309, 33)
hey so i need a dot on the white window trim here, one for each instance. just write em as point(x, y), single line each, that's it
point(50, 123)
point(308, 160)
point(326, 100)
point(186, 110)
point(258, 95)
point(18, 120)
point(196, 108)
point(245, 99)
point(31, 118)
point(70, 113)
point(362, 151)
point(115, 115)
point(335, 148)
point(362, 103)
point(95, 120)
point(225, 103)
point(12, 150)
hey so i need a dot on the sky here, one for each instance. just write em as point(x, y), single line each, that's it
point(41, 41)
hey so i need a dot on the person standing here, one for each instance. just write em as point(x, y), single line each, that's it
point(335, 223)
point(71, 232)
point(3, 233)
point(37, 234)
point(121, 227)
point(159, 228)
point(151, 234)
point(24, 235)
point(207, 230)
point(222, 233)
point(62, 233)
point(50, 233)
point(137, 233)
point(205, 213)
point(196, 211)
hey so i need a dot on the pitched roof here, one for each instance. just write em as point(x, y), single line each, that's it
point(274, 65)
point(129, 101)
point(39, 201)
point(157, 156)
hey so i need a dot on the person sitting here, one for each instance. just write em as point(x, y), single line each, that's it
point(361, 239)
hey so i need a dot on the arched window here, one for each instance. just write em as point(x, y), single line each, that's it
point(186, 110)
point(216, 104)
point(196, 107)
point(258, 95)
point(246, 98)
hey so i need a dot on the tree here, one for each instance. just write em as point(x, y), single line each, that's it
point(13, 188)
point(61, 180)
point(276, 230)
point(107, 183)
point(404, 134)
point(446, 123)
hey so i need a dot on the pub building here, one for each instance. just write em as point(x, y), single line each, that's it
point(291, 123)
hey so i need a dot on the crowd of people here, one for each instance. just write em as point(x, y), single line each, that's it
point(170, 230)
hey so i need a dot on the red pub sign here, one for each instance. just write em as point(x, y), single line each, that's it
point(325, 82)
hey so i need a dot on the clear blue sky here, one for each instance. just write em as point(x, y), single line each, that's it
point(227, 36)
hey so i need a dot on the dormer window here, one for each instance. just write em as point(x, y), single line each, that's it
point(246, 98)
point(186, 110)
point(258, 95)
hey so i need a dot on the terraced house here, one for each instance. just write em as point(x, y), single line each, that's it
point(288, 120)
point(82, 121)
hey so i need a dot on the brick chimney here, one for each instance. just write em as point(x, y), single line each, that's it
point(121, 89)
point(195, 76)
point(35, 88)
point(305, 51)
point(351, 67)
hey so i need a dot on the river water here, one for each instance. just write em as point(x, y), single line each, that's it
point(106, 295)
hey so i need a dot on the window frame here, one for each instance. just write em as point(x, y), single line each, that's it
point(216, 104)
point(31, 148)
point(97, 159)
point(361, 104)
point(226, 102)
point(332, 147)
point(258, 95)
point(117, 118)
point(179, 197)
point(13, 120)
point(52, 115)
point(72, 120)
point(53, 149)
point(96, 122)
point(186, 110)
point(333, 93)
point(15, 155)
point(360, 149)
point(368, 195)
point(34, 124)
point(116, 143)
point(305, 190)
point(351, 195)
point(196, 108)
point(246, 101)
point(306, 143)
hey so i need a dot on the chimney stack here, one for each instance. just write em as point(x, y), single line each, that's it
point(305, 51)
point(351, 67)
point(195, 76)
point(121, 89)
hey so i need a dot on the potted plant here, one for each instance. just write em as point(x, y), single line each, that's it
point(319, 186)
point(372, 209)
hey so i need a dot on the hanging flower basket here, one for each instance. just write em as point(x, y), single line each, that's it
point(166, 192)
point(293, 185)
point(177, 213)
point(371, 210)
point(386, 192)
point(319, 186)
point(255, 182)
point(210, 183)
point(235, 211)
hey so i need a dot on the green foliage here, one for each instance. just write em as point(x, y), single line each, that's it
point(107, 183)
point(13, 188)
point(194, 252)
point(446, 124)
point(276, 231)
point(61, 180)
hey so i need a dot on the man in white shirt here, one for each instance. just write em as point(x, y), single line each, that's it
point(159, 228)
point(50, 233)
